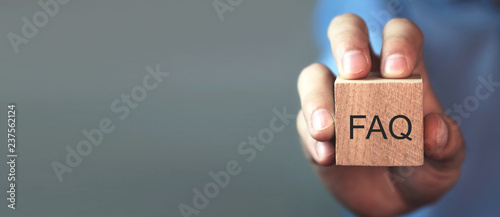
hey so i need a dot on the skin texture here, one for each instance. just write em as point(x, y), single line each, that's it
point(377, 191)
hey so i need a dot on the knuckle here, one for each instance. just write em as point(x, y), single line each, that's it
point(301, 77)
point(347, 37)
point(398, 39)
point(307, 71)
point(310, 68)
point(408, 45)
point(310, 106)
point(315, 68)
point(403, 44)
point(349, 21)
point(415, 30)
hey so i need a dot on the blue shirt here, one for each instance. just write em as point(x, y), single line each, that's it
point(462, 55)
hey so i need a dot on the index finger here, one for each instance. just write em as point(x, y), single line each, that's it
point(350, 44)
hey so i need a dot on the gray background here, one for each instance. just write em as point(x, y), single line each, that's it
point(225, 78)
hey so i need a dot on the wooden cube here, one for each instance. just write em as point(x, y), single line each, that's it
point(379, 121)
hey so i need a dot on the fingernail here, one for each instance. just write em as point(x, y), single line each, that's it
point(442, 134)
point(354, 62)
point(321, 150)
point(321, 119)
point(395, 64)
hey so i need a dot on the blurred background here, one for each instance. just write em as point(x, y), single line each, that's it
point(229, 66)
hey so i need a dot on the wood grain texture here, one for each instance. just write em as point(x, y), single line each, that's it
point(386, 98)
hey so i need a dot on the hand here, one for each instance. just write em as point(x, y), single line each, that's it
point(377, 191)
